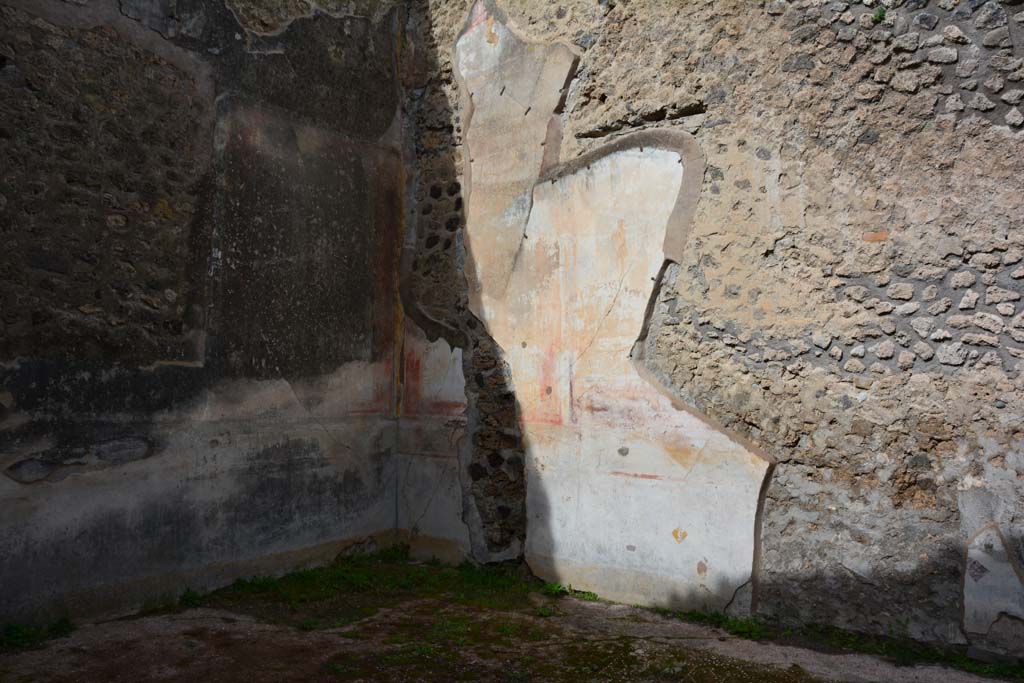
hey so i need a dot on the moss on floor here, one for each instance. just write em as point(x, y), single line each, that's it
point(383, 617)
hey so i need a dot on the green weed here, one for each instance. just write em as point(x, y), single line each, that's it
point(15, 637)
point(557, 590)
point(739, 627)
point(190, 598)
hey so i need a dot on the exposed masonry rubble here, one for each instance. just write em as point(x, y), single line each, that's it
point(962, 51)
point(850, 208)
point(437, 295)
point(127, 294)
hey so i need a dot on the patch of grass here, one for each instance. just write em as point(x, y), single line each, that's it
point(739, 627)
point(354, 588)
point(16, 637)
point(905, 652)
point(450, 631)
point(901, 650)
point(309, 625)
point(509, 629)
point(879, 16)
point(545, 611)
point(554, 590)
point(557, 590)
point(336, 669)
point(190, 598)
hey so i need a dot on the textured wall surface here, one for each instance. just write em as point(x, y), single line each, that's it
point(622, 485)
point(849, 297)
point(204, 355)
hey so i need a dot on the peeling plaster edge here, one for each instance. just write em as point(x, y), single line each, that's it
point(553, 134)
point(971, 636)
point(470, 513)
point(691, 156)
point(107, 13)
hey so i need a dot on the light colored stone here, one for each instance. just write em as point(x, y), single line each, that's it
point(998, 295)
point(940, 306)
point(965, 278)
point(980, 102)
point(923, 326)
point(854, 365)
point(902, 291)
point(953, 34)
point(909, 308)
point(951, 354)
point(988, 322)
point(969, 300)
point(943, 55)
point(981, 339)
point(924, 351)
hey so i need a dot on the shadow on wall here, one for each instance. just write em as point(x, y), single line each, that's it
point(435, 296)
point(195, 385)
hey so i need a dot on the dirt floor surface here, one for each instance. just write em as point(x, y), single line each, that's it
point(383, 618)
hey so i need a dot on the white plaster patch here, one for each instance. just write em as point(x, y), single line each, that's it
point(625, 491)
point(993, 583)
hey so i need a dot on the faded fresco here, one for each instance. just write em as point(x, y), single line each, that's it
point(625, 490)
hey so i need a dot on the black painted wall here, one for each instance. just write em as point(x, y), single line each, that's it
point(200, 232)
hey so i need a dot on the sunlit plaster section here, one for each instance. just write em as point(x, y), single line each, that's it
point(510, 89)
point(627, 494)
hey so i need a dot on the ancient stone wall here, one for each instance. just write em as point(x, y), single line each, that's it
point(205, 362)
point(848, 299)
point(210, 211)
point(436, 293)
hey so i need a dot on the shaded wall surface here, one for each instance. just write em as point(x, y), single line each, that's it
point(204, 355)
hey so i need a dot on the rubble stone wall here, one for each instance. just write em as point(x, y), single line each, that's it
point(849, 298)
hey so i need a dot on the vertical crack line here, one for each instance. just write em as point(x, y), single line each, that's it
point(600, 324)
